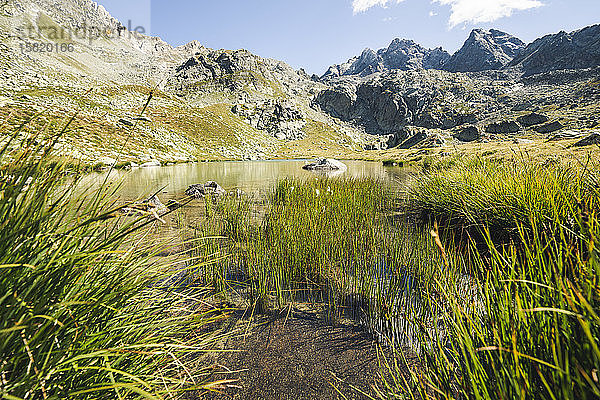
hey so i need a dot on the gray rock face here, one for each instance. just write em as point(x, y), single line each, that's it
point(503, 127)
point(408, 137)
point(575, 50)
point(532, 119)
point(592, 139)
point(387, 103)
point(550, 127)
point(485, 50)
point(468, 134)
point(401, 54)
point(210, 188)
point(280, 118)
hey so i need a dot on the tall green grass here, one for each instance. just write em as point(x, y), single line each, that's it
point(525, 323)
point(502, 302)
point(85, 312)
point(335, 242)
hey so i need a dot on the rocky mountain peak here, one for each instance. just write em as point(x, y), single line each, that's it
point(401, 54)
point(574, 50)
point(485, 50)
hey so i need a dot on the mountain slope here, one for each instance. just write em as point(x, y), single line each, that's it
point(401, 54)
point(575, 50)
point(484, 50)
point(207, 104)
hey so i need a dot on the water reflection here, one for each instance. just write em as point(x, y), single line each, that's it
point(249, 176)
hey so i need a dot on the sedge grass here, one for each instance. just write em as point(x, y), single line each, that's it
point(502, 302)
point(530, 329)
point(83, 311)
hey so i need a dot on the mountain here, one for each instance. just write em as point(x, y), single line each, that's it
point(212, 104)
point(485, 50)
point(575, 50)
point(206, 103)
point(401, 54)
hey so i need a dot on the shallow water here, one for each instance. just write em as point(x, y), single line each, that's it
point(249, 176)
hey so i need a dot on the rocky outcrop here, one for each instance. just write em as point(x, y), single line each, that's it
point(485, 50)
point(210, 188)
point(503, 127)
point(592, 139)
point(549, 128)
point(401, 54)
point(532, 119)
point(387, 103)
point(280, 118)
point(211, 71)
point(468, 134)
point(575, 50)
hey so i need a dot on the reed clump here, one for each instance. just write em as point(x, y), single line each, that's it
point(530, 329)
point(84, 311)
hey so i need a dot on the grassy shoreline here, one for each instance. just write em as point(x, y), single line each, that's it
point(501, 301)
point(486, 267)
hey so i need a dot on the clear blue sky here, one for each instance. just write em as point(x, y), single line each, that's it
point(314, 34)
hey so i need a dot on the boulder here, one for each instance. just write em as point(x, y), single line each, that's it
point(325, 164)
point(151, 164)
point(503, 127)
point(468, 134)
point(550, 127)
point(532, 119)
point(151, 207)
point(154, 203)
point(589, 140)
point(200, 190)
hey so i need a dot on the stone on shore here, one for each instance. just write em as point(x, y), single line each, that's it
point(200, 190)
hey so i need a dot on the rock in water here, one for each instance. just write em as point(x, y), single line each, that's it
point(325, 164)
point(594, 138)
point(532, 119)
point(210, 188)
point(154, 203)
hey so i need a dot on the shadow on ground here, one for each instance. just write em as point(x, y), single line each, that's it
point(296, 356)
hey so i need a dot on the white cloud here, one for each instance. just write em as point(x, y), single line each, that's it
point(432, 13)
point(363, 5)
point(477, 11)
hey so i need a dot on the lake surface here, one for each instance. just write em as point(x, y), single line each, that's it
point(249, 176)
